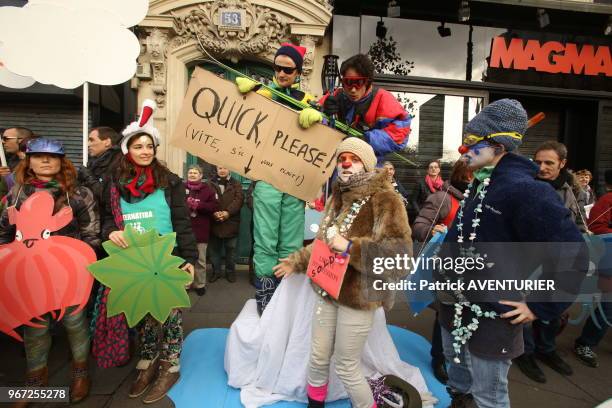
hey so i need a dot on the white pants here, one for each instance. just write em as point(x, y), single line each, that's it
point(341, 331)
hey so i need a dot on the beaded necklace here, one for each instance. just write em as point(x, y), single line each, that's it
point(461, 334)
point(345, 226)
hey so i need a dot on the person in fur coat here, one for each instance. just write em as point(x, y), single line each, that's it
point(364, 218)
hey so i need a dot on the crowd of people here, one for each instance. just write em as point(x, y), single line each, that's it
point(368, 211)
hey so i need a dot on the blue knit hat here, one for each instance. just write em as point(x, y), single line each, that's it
point(503, 121)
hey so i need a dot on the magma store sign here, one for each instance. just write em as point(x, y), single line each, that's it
point(552, 57)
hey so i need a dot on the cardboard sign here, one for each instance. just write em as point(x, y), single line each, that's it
point(326, 268)
point(254, 136)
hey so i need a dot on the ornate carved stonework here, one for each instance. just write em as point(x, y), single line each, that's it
point(329, 4)
point(310, 43)
point(263, 29)
point(155, 54)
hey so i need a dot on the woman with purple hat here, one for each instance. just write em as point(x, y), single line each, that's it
point(46, 168)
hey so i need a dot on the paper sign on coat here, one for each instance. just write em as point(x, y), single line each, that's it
point(254, 136)
point(326, 268)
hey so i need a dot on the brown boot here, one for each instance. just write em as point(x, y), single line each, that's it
point(147, 370)
point(36, 378)
point(168, 375)
point(79, 387)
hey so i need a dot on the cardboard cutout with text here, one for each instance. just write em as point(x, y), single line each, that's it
point(254, 136)
point(144, 277)
point(40, 272)
point(326, 268)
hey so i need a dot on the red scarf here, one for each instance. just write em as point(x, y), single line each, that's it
point(434, 185)
point(147, 186)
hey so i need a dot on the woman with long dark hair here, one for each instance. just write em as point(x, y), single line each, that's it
point(145, 186)
point(46, 168)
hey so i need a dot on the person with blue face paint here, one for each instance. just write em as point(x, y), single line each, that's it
point(505, 203)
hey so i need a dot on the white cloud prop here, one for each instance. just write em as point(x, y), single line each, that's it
point(69, 42)
point(11, 80)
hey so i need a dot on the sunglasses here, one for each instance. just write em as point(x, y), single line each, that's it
point(286, 70)
point(7, 138)
point(354, 82)
point(470, 140)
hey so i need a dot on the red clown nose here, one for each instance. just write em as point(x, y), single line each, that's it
point(463, 149)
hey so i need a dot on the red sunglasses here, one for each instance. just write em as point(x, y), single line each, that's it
point(354, 82)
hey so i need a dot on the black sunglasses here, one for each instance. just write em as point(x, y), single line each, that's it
point(286, 70)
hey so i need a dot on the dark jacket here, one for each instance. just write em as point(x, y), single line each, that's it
point(434, 210)
point(421, 192)
point(84, 226)
point(230, 200)
point(12, 160)
point(600, 217)
point(572, 196)
point(204, 205)
point(99, 169)
point(517, 208)
point(181, 224)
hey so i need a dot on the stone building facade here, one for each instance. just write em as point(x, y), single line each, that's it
point(174, 31)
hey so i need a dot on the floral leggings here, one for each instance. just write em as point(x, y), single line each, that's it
point(171, 342)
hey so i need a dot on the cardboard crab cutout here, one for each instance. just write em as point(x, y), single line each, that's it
point(40, 272)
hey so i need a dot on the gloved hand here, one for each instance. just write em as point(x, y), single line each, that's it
point(308, 117)
point(245, 84)
point(331, 106)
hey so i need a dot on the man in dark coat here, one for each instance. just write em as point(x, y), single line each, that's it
point(104, 156)
point(505, 204)
point(539, 337)
point(226, 224)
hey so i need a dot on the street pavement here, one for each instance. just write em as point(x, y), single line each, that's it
point(586, 388)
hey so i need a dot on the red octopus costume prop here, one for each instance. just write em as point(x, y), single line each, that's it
point(41, 273)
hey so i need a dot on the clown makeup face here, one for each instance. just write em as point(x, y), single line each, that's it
point(349, 164)
point(479, 155)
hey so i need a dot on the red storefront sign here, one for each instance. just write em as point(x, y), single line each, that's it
point(552, 57)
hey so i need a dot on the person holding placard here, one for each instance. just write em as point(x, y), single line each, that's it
point(146, 195)
point(365, 218)
point(278, 217)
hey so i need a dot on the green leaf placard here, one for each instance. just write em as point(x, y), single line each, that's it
point(144, 277)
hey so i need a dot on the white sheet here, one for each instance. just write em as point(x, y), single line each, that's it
point(267, 357)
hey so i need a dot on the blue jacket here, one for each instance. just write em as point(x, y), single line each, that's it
point(517, 208)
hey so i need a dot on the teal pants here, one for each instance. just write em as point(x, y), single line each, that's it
point(278, 227)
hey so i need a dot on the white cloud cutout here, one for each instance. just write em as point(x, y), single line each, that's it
point(69, 42)
point(11, 80)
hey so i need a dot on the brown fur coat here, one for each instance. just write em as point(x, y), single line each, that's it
point(380, 230)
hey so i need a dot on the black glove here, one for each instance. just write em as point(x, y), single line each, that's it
point(331, 106)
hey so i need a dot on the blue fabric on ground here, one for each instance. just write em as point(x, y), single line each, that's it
point(203, 381)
